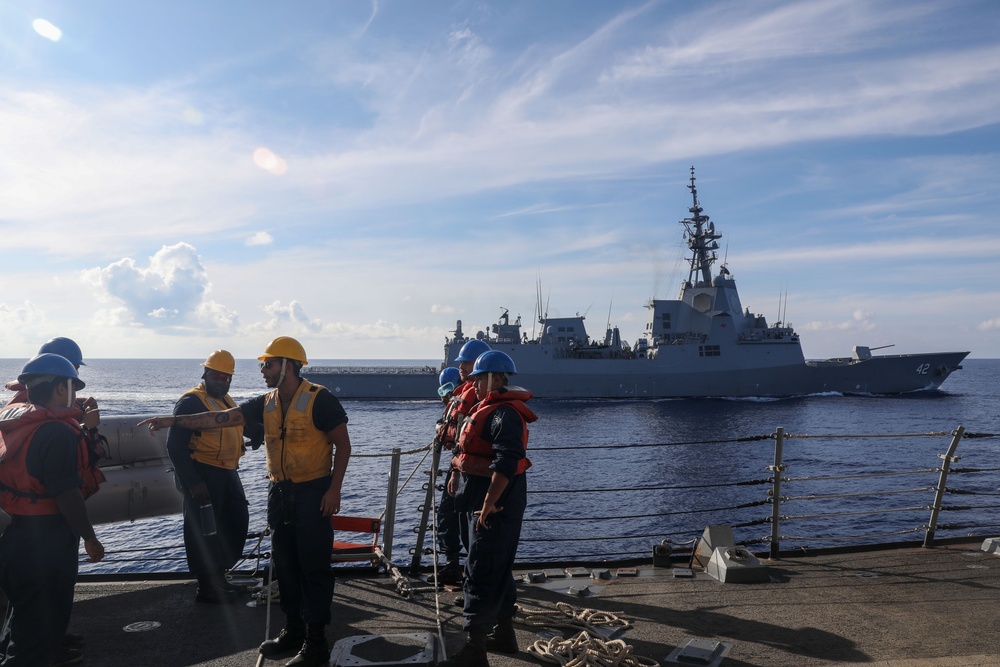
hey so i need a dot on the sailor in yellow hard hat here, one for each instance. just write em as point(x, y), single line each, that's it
point(216, 517)
point(308, 448)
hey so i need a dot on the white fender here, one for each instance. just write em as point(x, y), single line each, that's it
point(140, 476)
point(128, 443)
point(135, 492)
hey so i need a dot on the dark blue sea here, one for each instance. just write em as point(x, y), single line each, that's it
point(663, 469)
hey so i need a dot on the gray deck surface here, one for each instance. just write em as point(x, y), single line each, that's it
point(907, 607)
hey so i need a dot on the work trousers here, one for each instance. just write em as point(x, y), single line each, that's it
point(210, 556)
point(448, 531)
point(489, 578)
point(302, 544)
point(39, 560)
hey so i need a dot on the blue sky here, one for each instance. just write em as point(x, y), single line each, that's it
point(178, 177)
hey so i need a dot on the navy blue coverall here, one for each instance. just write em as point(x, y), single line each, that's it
point(489, 580)
point(208, 556)
point(39, 557)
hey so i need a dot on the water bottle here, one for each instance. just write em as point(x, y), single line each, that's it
point(207, 515)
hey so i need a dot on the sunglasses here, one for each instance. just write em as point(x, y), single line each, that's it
point(218, 377)
point(269, 364)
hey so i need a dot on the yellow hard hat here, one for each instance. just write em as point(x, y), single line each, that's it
point(221, 361)
point(285, 347)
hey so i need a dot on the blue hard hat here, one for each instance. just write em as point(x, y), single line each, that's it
point(66, 348)
point(449, 374)
point(471, 350)
point(493, 361)
point(46, 367)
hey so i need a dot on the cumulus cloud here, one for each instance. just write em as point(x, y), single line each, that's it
point(168, 295)
point(989, 325)
point(259, 238)
point(289, 320)
point(442, 309)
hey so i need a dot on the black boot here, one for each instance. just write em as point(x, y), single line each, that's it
point(315, 651)
point(473, 654)
point(211, 590)
point(289, 639)
point(502, 639)
point(452, 574)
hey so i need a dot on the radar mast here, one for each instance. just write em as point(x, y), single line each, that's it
point(701, 239)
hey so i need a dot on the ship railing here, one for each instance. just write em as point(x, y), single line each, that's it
point(808, 496)
point(364, 370)
point(796, 503)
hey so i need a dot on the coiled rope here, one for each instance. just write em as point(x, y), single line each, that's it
point(567, 616)
point(582, 649)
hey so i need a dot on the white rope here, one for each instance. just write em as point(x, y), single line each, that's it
point(434, 569)
point(566, 615)
point(583, 650)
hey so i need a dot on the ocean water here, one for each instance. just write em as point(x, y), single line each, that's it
point(610, 478)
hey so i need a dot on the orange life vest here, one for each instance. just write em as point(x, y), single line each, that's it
point(463, 400)
point(475, 452)
point(20, 492)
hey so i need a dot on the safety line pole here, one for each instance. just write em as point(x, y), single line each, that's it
point(948, 458)
point(777, 469)
point(425, 514)
point(390, 505)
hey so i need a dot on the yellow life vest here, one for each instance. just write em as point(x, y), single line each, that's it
point(219, 447)
point(296, 450)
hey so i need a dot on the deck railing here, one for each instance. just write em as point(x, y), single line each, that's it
point(778, 492)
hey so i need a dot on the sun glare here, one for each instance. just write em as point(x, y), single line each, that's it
point(47, 30)
point(268, 161)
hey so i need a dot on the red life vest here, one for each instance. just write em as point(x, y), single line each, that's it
point(20, 493)
point(475, 452)
point(463, 400)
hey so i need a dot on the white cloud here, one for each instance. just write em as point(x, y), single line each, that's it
point(290, 320)
point(169, 294)
point(439, 309)
point(989, 325)
point(259, 238)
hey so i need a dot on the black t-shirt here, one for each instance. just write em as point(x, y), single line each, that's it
point(52, 457)
point(328, 413)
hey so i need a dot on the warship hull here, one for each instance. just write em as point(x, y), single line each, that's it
point(704, 343)
point(682, 378)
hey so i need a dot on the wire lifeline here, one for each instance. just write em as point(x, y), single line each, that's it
point(919, 529)
point(751, 438)
point(755, 503)
point(675, 487)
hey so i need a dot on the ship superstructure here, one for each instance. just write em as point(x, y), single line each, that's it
point(704, 343)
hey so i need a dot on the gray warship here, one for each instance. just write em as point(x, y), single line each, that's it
point(702, 344)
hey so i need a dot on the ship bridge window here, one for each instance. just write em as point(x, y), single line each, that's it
point(709, 351)
point(562, 329)
point(665, 320)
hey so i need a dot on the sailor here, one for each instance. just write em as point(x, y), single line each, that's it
point(205, 468)
point(90, 415)
point(307, 448)
point(45, 476)
point(491, 494)
point(448, 534)
point(454, 534)
point(64, 347)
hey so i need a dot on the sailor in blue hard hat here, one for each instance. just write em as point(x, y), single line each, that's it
point(448, 536)
point(491, 495)
point(448, 381)
point(45, 478)
point(64, 347)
